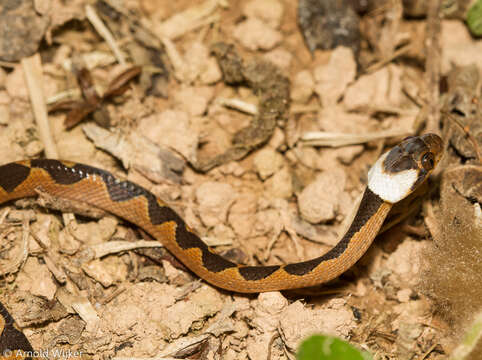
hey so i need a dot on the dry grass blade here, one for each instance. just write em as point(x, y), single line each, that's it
point(318, 138)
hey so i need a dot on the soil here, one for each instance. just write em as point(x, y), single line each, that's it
point(263, 147)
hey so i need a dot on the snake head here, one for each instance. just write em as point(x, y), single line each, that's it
point(398, 172)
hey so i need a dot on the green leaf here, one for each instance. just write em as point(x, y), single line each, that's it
point(321, 347)
point(474, 18)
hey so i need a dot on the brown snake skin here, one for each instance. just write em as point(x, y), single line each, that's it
point(101, 189)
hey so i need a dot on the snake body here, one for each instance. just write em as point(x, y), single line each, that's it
point(395, 175)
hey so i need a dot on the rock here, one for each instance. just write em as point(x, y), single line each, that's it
point(297, 321)
point(266, 162)
point(280, 57)
point(458, 47)
point(379, 90)
point(214, 199)
point(319, 201)
point(254, 34)
point(303, 86)
point(269, 11)
point(194, 100)
point(280, 184)
point(171, 128)
point(333, 78)
point(36, 278)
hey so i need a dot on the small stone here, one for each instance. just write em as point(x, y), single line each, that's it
point(405, 262)
point(458, 46)
point(319, 201)
point(33, 148)
point(242, 213)
point(266, 162)
point(303, 86)
point(212, 73)
point(36, 278)
point(280, 184)
point(269, 11)
point(403, 295)
point(200, 65)
point(214, 199)
point(277, 139)
point(96, 270)
point(253, 34)
point(22, 30)
point(171, 128)
point(280, 57)
point(194, 100)
point(372, 92)
point(348, 153)
point(333, 78)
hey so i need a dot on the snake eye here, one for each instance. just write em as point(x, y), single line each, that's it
point(428, 161)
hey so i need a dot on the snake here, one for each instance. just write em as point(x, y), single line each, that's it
point(395, 175)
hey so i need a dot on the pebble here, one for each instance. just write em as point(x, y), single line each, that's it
point(269, 11)
point(214, 199)
point(303, 86)
point(266, 162)
point(254, 34)
point(333, 78)
point(319, 201)
point(280, 184)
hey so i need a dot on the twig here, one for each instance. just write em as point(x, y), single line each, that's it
point(432, 65)
point(113, 247)
point(399, 52)
point(103, 31)
point(238, 104)
point(176, 59)
point(427, 353)
point(319, 138)
point(32, 68)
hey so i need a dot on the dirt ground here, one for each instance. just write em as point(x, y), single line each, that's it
point(265, 162)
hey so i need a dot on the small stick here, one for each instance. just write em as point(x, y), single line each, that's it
point(319, 138)
point(103, 31)
point(432, 64)
point(32, 68)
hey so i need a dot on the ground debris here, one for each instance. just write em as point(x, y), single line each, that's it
point(272, 89)
point(21, 29)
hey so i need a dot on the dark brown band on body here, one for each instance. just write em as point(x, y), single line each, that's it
point(119, 190)
point(369, 205)
point(186, 239)
point(12, 175)
point(125, 190)
point(254, 273)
